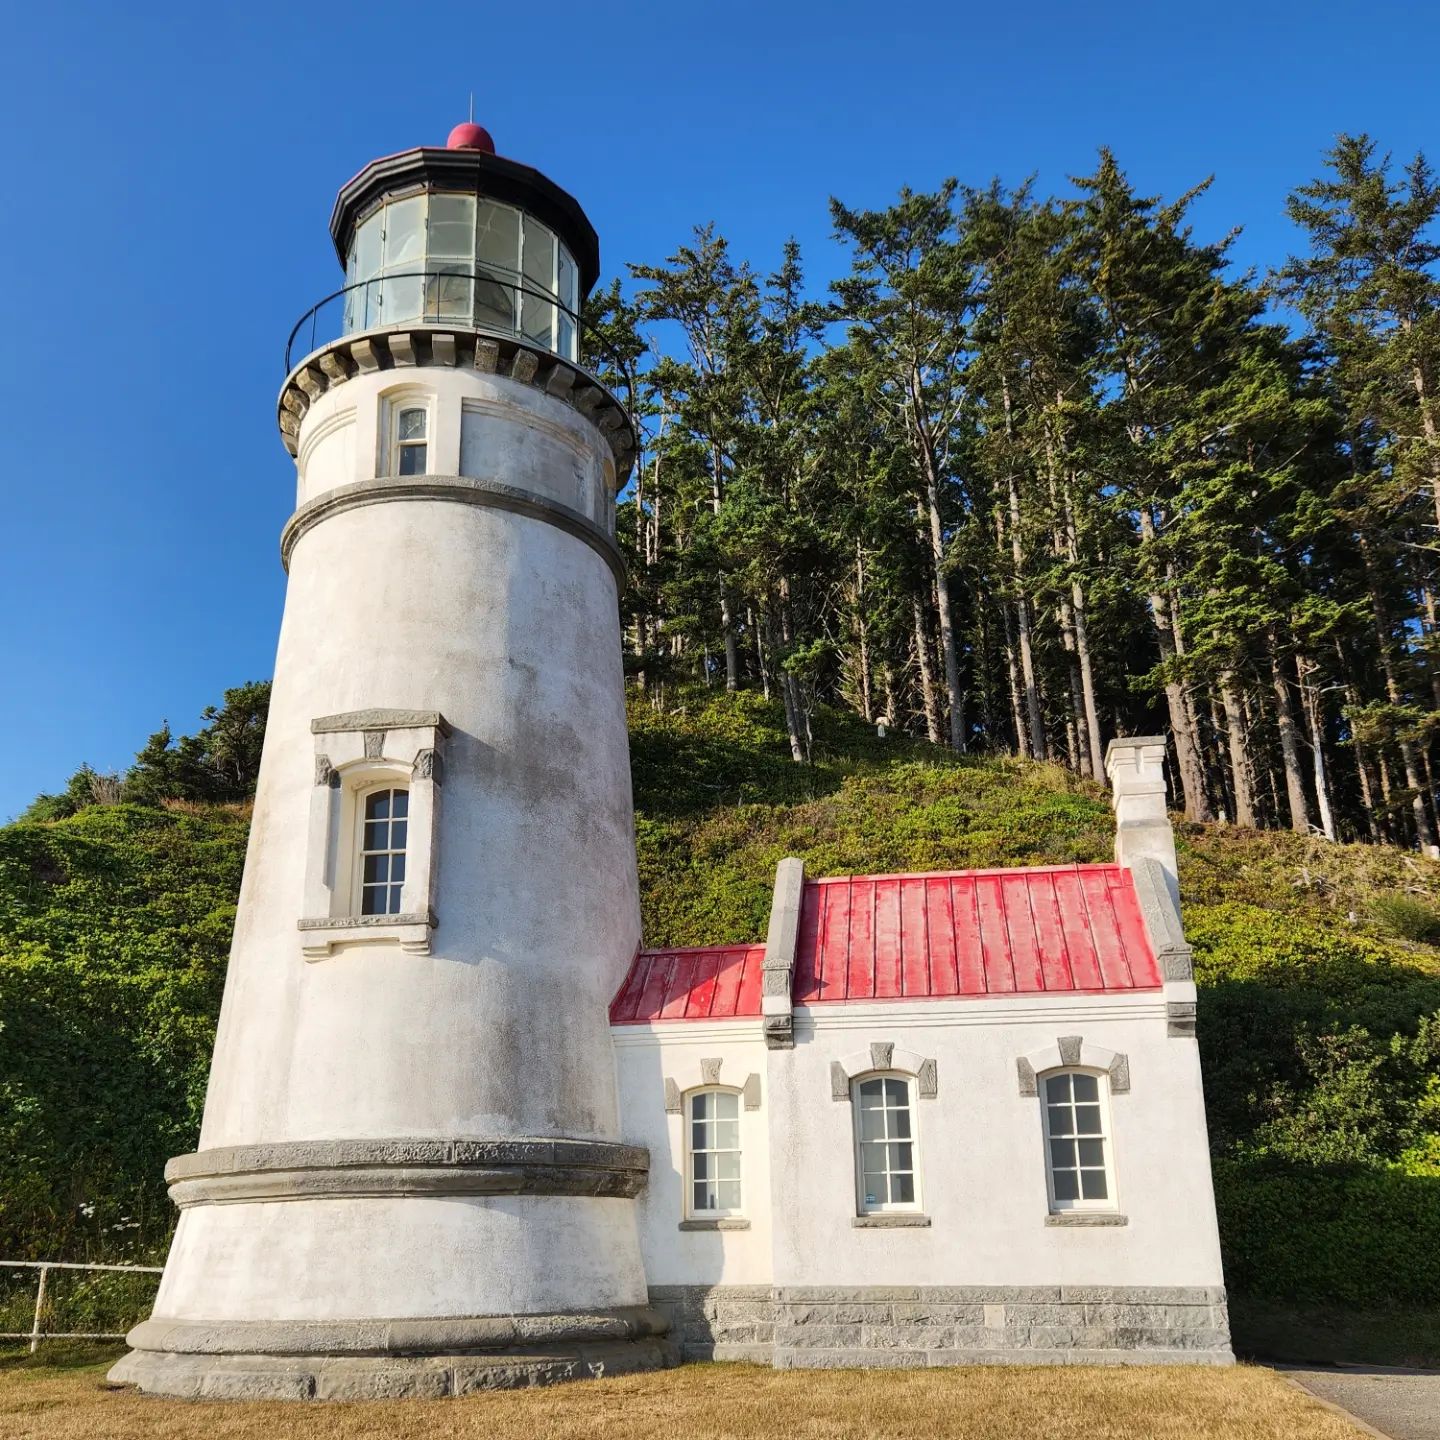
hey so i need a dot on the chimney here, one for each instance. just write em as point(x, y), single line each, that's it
point(1135, 766)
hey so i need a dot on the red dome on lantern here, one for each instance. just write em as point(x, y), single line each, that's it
point(470, 136)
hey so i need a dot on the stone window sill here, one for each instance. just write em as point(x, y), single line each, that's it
point(727, 1222)
point(902, 1220)
point(1082, 1218)
point(319, 937)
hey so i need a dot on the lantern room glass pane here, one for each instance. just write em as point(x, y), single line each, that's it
point(405, 232)
point(448, 294)
point(538, 322)
point(569, 281)
point(498, 242)
point(367, 247)
point(401, 298)
point(539, 256)
point(537, 313)
point(452, 226)
point(566, 334)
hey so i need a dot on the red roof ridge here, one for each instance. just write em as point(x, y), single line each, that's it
point(1066, 868)
point(700, 949)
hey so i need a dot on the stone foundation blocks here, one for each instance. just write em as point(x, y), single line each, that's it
point(833, 1326)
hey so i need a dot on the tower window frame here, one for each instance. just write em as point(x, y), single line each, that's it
point(409, 441)
point(382, 820)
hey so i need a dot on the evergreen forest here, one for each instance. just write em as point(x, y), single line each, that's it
point(1038, 471)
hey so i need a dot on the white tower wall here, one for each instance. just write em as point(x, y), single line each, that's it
point(509, 627)
point(411, 1128)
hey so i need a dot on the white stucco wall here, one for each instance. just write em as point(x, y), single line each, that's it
point(327, 457)
point(508, 626)
point(982, 1155)
point(486, 427)
point(416, 1256)
point(645, 1057)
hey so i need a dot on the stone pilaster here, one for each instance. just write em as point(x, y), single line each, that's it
point(776, 1003)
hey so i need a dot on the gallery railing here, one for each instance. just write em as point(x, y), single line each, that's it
point(472, 298)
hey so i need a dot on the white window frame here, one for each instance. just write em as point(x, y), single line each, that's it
point(1111, 1202)
point(400, 406)
point(392, 784)
point(692, 1212)
point(356, 754)
point(864, 1206)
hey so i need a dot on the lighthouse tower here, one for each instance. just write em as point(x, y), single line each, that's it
point(410, 1178)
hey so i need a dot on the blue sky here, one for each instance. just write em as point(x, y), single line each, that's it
point(172, 167)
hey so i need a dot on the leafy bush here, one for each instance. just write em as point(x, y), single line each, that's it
point(1321, 1051)
point(114, 927)
point(1407, 918)
point(1349, 1235)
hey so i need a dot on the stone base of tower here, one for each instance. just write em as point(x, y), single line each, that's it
point(341, 1269)
point(390, 1360)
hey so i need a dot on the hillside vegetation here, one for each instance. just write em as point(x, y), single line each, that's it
point(1320, 984)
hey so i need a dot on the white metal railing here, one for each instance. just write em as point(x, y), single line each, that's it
point(35, 1334)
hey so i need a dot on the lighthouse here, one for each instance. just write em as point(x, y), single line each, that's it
point(410, 1177)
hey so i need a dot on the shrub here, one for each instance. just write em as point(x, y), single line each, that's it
point(1407, 918)
point(1348, 1235)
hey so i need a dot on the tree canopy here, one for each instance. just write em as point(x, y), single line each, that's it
point(1038, 471)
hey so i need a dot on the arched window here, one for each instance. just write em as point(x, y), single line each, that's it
point(383, 837)
point(886, 1168)
point(712, 1154)
point(1077, 1142)
point(411, 426)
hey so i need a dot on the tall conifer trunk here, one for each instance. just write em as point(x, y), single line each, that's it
point(1022, 605)
point(862, 625)
point(1419, 800)
point(1182, 729)
point(1296, 798)
point(1315, 722)
point(1240, 777)
point(927, 679)
point(936, 531)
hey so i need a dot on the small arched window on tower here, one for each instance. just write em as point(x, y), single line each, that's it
point(385, 824)
point(411, 437)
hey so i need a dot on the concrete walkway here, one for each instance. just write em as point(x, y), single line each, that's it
point(1400, 1404)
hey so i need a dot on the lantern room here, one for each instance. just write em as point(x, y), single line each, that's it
point(467, 238)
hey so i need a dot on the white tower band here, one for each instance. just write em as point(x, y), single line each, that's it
point(409, 1178)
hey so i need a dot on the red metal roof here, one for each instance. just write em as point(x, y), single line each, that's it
point(717, 982)
point(1073, 928)
point(976, 932)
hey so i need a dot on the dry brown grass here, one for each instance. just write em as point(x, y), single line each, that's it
point(718, 1402)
